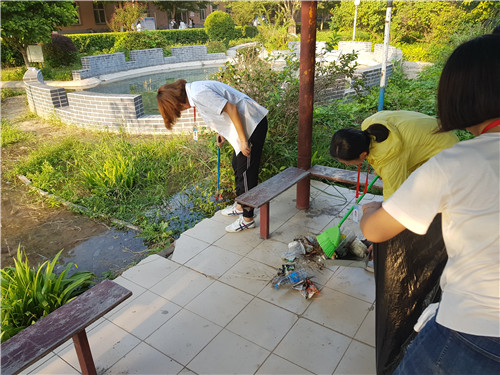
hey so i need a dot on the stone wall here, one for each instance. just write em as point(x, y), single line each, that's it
point(97, 65)
point(99, 111)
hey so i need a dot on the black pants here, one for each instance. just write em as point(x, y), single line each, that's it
point(246, 169)
point(408, 268)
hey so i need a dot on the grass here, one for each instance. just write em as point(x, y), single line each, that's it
point(11, 134)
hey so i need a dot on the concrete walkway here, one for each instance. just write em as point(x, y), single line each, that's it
point(211, 309)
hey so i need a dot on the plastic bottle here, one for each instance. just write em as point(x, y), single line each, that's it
point(292, 278)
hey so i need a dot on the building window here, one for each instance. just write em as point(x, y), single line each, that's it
point(99, 15)
point(215, 7)
point(202, 14)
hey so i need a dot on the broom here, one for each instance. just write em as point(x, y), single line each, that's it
point(329, 240)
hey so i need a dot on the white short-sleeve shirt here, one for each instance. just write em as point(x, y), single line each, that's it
point(210, 98)
point(462, 183)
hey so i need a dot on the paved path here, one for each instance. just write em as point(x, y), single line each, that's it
point(211, 309)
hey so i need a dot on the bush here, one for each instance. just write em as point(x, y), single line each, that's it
point(215, 46)
point(220, 26)
point(89, 44)
point(61, 51)
point(13, 74)
point(11, 56)
point(28, 294)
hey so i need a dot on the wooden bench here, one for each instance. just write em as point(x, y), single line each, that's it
point(343, 176)
point(70, 320)
point(260, 195)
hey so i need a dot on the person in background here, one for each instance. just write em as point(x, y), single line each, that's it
point(191, 23)
point(173, 24)
point(182, 25)
point(395, 143)
point(460, 335)
point(237, 118)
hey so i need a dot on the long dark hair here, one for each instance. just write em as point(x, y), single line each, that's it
point(171, 100)
point(349, 143)
point(469, 87)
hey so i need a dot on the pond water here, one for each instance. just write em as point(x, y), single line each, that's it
point(147, 85)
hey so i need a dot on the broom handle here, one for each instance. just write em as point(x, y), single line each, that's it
point(357, 201)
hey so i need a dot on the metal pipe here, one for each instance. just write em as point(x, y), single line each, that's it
point(383, 74)
point(306, 97)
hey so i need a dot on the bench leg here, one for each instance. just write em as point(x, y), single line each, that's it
point(82, 348)
point(264, 221)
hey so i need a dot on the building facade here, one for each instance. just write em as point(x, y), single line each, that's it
point(93, 16)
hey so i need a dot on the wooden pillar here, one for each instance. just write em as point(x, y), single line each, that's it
point(306, 97)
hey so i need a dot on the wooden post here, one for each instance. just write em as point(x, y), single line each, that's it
point(306, 98)
point(84, 354)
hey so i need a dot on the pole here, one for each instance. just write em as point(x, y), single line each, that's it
point(383, 74)
point(356, 3)
point(306, 97)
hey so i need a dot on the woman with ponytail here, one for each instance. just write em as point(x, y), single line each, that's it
point(395, 143)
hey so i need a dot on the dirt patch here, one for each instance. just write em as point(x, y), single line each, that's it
point(28, 220)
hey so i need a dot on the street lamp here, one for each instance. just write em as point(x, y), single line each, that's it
point(356, 3)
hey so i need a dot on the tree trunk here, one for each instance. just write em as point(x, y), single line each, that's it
point(24, 52)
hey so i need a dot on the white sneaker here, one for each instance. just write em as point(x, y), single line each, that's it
point(239, 225)
point(369, 266)
point(231, 210)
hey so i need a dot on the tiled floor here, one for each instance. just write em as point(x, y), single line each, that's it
point(211, 309)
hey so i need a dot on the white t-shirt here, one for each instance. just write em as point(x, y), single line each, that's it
point(462, 183)
point(210, 98)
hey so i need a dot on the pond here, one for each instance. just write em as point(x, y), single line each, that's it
point(147, 85)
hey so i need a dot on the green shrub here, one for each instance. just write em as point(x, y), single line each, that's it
point(11, 56)
point(89, 44)
point(220, 26)
point(61, 51)
point(13, 74)
point(29, 294)
point(246, 31)
point(215, 46)
point(415, 52)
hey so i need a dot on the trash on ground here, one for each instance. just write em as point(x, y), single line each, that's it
point(306, 288)
point(295, 248)
point(290, 277)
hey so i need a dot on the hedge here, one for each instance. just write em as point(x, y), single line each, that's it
point(99, 42)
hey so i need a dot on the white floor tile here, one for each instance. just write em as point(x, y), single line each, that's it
point(269, 252)
point(219, 303)
point(355, 282)
point(150, 271)
point(213, 261)
point(54, 365)
point(144, 359)
point(183, 336)
point(262, 323)
point(338, 311)
point(240, 243)
point(275, 365)
point(290, 230)
point(313, 347)
point(108, 344)
point(182, 285)
point(249, 275)
point(286, 297)
point(145, 314)
point(229, 354)
point(359, 359)
point(187, 247)
point(207, 230)
point(136, 290)
point(366, 332)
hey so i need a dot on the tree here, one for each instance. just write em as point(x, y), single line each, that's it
point(243, 12)
point(32, 22)
point(172, 7)
point(126, 16)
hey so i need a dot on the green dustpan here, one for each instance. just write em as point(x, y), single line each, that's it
point(330, 239)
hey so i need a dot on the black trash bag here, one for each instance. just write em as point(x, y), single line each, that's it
point(407, 272)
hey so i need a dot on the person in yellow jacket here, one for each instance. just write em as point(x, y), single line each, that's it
point(395, 143)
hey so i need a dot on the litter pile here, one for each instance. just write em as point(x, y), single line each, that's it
point(297, 277)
